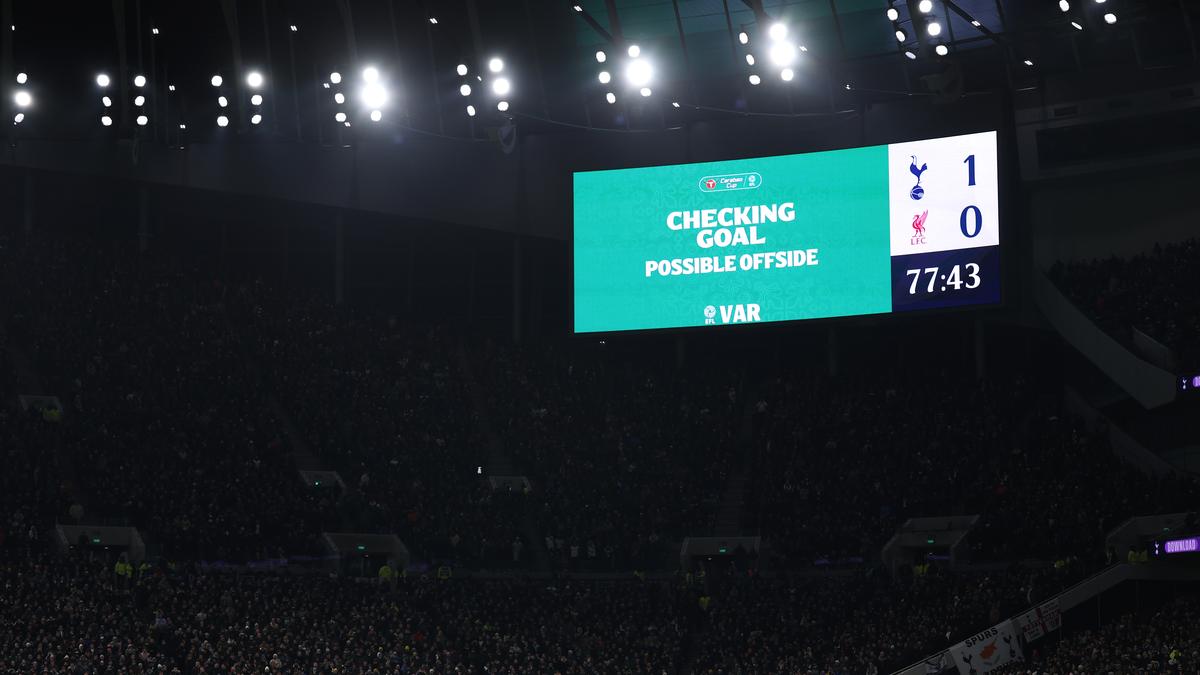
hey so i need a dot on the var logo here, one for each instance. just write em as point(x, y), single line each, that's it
point(747, 313)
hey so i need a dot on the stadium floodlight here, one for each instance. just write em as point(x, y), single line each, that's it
point(605, 77)
point(254, 79)
point(749, 59)
point(139, 100)
point(433, 20)
point(339, 98)
point(645, 92)
point(256, 99)
point(674, 104)
point(975, 22)
point(18, 118)
point(787, 74)
point(470, 111)
point(170, 87)
point(374, 96)
point(462, 70)
point(465, 90)
point(777, 31)
point(639, 72)
point(1064, 5)
point(222, 101)
point(376, 115)
point(755, 80)
point(22, 78)
point(892, 14)
point(256, 118)
point(103, 80)
point(495, 64)
point(154, 30)
point(934, 29)
point(578, 8)
point(23, 99)
point(1028, 62)
point(340, 117)
point(1110, 18)
point(634, 51)
point(106, 121)
point(142, 120)
point(610, 97)
point(106, 101)
point(346, 124)
point(910, 55)
point(139, 80)
point(925, 6)
point(183, 127)
point(502, 106)
point(941, 50)
point(1099, 2)
point(216, 80)
point(293, 28)
point(744, 37)
point(222, 121)
point(501, 86)
point(601, 57)
point(1076, 25)
point(783, 53)
point(370, 74)
point(900, 36)
point(335, 77)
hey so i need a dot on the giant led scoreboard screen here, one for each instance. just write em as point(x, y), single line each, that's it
point(887, 228)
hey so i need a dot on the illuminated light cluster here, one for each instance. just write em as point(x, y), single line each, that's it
point(254, 80)
point(781, 52)
point(498, 84)
point(22, 98)
point(339, 98)
point(103, 81)
point(932, 24)
point(222, 102)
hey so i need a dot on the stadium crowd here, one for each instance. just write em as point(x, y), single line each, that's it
point(1153, 292)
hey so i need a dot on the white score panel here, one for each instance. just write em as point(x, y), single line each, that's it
point(954, 204)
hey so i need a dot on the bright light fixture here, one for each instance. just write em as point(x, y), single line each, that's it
point(941, 50)
point(743, 37)
point(787, 74)
point(339, 98)
point(470, 111)
point(256, 99)
point(501, 86)
point(23, 99)
point(755, 79)
point(495, 64)
point(749, 59)
point(502, 106)
point(222, 101)
point(102, 80)
point(374, 95)
point(634, 51)
point(376, 115)
point(610, 97)
point(106, 101)
point(340, 117)
point(256, 118)
point(892, 14)
point(783, 53)
point(370, 74)
point(934, 28)
point(22, 78)
point(142, 120)
point(900, 36)
point(1110, 18)
point(222, 121)
point(777, 31)
point(925, 6)
point(465, 90)
point(216, 80)
point(139, 80)
point(254, 79)
point(139, 101)
point(601, 57)
point(605, 77)
point(645, 92)
point(911, 56)
point(639, 72)
point(335, 77)
point(106, 121)
point(461, 70)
